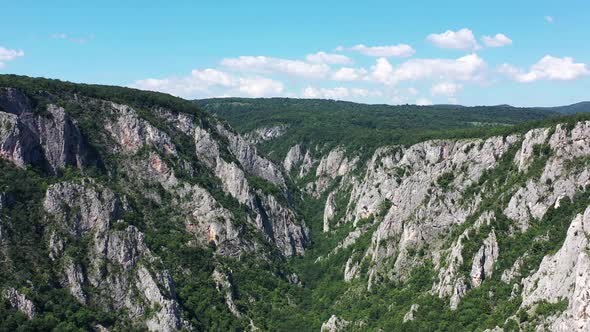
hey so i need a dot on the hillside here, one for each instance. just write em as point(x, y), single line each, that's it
point(128, 210)
point(358, 126)
point(571, 109)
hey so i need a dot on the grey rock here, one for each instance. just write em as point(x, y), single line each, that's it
point(223, 283)
point(409, 316)
point(459, 290)
point(565, 275)
point(265, 134)
point(20, 302)
point(132, 132)
point(75, 280)
point(483, 261)
point(329, 211)
point(557, 180)
point(334, 324)
point(420, 210)
point(250, 160)
point(306, 165)
point(130, 285)
point(277, 221)
point(293, 158)
point(513, 272)
point(51, 141)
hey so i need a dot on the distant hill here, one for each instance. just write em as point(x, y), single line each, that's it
point(570, 109)
point(359, 126)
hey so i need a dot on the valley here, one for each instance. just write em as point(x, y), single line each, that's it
point(123, 209)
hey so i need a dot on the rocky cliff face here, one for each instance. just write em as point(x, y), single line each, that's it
point(49, 140)
point(416, 198)
point(226, 196)
point(120, 273)
point(565, 276)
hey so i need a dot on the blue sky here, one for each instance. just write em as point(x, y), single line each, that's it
point(535, 53)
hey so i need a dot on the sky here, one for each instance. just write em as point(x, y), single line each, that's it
point(523, 53)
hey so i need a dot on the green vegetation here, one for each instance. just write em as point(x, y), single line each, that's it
point(360, 127)
point(545, 308)
point(24, 261)
point(37, 89)
point(445, 180)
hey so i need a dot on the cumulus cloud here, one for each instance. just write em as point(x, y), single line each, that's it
point(202, 83)
point(349, 74)
point(498, 40)
point(213, 77)
point(448, 89)
point(423, 102)
point(260, 87)
point(382, 71)
point(548, 68)
point(458, 40)
point(264, 64)
point(400, 50)
point(467, 68)
point(339, 93)
point(7, 54)
point(329, 58)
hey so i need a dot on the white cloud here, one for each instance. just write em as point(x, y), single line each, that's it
point(400, 50)
point(466, 68)
point(260, 87)
point(448, 89)
point(349, 74)
point(186, 87)
point(263, 64)
point(382, 71)
point(548, 68)
point(549, 19)
point(329, 58)
point(423, 102)
point(7, 54)
point(338, 93)
point(205, 83)
point(412, 91)
point(213, 77)
point(459, 40)
point(334, 93)
point(498, 40)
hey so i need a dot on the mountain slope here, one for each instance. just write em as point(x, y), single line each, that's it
point(123, 193)
point(571, 109)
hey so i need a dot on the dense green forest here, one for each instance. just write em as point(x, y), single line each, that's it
point(363, 127)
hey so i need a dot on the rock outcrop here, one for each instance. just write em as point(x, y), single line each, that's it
point(273, 218)
point(409, 316)
point(47, 138)
point(20, 302)
point(483, 262)
point(89, 210)
point(264, 134)
point(565, 275)
point(329, 211)
point(334, 324)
